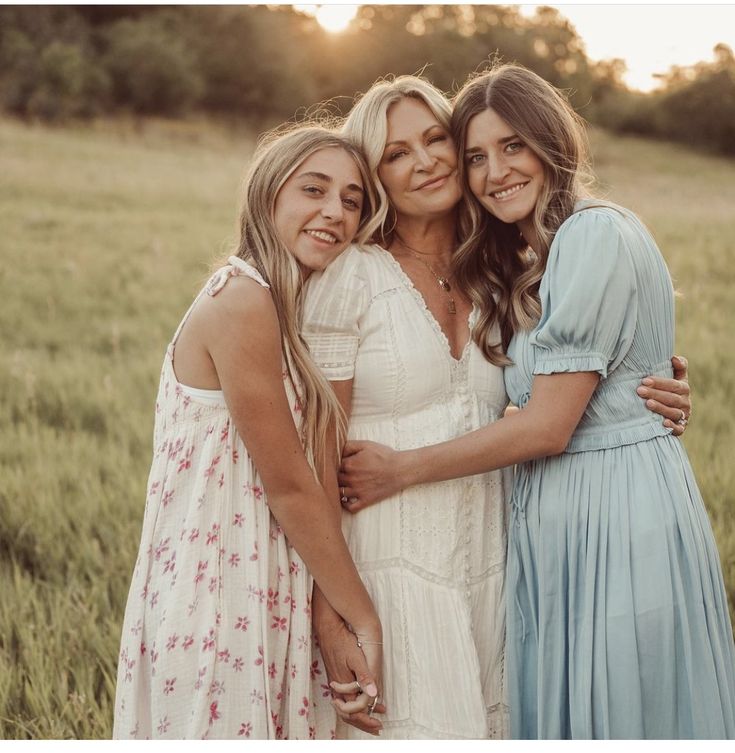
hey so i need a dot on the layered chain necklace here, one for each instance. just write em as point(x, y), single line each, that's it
point(441, 280)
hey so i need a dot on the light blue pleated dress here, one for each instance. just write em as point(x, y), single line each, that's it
point(618, 624)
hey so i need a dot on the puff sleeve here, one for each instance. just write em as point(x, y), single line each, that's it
point(588, 297)
point(333, 304)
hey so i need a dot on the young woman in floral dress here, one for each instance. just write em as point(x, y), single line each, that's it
point(216, 641)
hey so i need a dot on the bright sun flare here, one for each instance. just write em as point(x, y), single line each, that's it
point(334, 18)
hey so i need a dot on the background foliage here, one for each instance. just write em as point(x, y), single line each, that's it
point(267, 62)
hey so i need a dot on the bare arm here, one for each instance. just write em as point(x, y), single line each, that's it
point(372, 472)
point(335, 642)
point(544, 427)
point(240, 332)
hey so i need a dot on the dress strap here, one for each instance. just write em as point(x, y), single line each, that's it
point(236, 266)
point(217, 281)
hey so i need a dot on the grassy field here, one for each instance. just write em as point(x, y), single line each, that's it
point(107, 233)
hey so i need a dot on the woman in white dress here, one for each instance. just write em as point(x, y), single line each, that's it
point(390, 329)
point(216, 640)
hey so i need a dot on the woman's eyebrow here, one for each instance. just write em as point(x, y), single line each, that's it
point(423, 134)
point(319, 176)
point(328, 179)
point(504, 140)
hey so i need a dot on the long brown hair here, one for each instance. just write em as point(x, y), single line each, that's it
point(494, 263)
point(277, 156)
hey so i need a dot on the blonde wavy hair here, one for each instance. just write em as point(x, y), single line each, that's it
point(367, 126)
point(494, 264)
point(278, 155)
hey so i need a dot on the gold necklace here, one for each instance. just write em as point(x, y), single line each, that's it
point(443, 281)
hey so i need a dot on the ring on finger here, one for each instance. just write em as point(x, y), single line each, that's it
point(342, 495)
point(372, 706)
point(683, 420)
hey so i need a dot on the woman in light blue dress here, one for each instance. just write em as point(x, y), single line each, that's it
point(618, 624)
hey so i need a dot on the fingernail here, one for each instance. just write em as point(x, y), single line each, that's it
point(372, 689)
point(648, 381)
point(642, 391)
point(650, 403)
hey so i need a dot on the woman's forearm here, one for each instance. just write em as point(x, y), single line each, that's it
point(311, 526)
point(543, 428)
point(512, 439)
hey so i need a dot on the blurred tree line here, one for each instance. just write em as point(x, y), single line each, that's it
point(268, 63)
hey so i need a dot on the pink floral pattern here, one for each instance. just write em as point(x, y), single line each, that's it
point(216, 640)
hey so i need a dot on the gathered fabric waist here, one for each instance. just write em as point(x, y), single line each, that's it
point(606, 436)
point(617, 415)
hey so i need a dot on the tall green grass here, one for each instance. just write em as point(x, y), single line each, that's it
point(106, 234)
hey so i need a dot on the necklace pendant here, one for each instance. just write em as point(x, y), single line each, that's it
point(444, 284)
point(452, 308)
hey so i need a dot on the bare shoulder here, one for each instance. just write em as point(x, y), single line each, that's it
point(242, 309)
point(240, 296)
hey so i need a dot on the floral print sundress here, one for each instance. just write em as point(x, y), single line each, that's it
point(216, 639)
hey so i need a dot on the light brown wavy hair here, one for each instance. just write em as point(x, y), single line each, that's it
point(367, 126)
point(494, 264)
point(278, 155)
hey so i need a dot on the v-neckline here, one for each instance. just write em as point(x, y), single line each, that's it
point(433, 322)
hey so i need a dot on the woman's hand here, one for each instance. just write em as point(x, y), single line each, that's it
point(354, 672)
point(368, 474)
point(670, 397)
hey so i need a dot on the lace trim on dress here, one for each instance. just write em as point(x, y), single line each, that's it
point(399, 563)
point(498, 727)
point(498, 721)
point(427, 312)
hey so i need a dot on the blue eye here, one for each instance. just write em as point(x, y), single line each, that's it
point(514, 146)
point(475, 159)
point(313, 190)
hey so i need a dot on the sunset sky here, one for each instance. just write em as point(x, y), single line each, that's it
point(649, 37)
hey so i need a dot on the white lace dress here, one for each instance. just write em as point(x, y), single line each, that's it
point(433, 557)
point(216, 640)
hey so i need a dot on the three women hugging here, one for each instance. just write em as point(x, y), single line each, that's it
point(396, 283)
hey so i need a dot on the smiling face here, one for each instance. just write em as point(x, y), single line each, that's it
point(317, 211)
point(503, 172)
point(419, 166)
